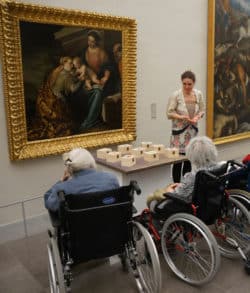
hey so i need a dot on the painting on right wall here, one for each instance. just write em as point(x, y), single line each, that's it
point(228, 94)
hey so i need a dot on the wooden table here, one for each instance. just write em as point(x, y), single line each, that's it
point(149, 175)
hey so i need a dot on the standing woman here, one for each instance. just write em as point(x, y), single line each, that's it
point(185, 107)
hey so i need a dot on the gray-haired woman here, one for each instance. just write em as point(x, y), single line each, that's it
point(202, 154)
point(80, 176)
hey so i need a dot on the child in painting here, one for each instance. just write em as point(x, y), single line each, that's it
point(85, 74)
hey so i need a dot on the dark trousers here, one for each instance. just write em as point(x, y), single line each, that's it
point(180, 169)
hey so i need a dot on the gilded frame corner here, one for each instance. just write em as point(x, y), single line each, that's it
point(225, 49)
point(11, 15)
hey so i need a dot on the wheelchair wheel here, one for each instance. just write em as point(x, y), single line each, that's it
point(56, 278)
point(145, 261)
point(242, 196)
point(235, 224)
point(190, 249)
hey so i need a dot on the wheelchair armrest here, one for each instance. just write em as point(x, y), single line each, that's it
point(178, 200)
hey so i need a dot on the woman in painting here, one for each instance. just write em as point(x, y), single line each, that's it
point(53, 113)
point(96, 58)
point(185, 107)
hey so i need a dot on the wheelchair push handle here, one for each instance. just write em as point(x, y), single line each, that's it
point(236, 163)
point(234, 166)
point(135, 187)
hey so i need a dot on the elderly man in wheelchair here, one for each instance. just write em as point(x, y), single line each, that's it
point(92, 218)
point(196, 220)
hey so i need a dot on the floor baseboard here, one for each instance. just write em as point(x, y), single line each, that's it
point(16, 230)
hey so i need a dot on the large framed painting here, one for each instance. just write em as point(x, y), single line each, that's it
point(69, 79)
point(228, 70)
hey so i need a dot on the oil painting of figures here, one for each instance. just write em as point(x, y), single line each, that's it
point(231, 103)
point(72, 79)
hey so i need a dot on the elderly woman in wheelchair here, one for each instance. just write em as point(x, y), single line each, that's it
point(194, 221)
point(202, 154)
point(92, 218)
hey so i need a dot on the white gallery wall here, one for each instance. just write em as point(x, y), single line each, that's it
point(171, 38)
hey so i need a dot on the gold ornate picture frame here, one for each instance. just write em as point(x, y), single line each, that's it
point(228, 108)
point(61, 90)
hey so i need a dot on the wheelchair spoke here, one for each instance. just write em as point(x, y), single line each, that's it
point(239, 236)
point(190, 249)
point(235, 225)
point(202, 263)
point(193, 269)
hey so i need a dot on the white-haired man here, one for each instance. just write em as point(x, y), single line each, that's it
point(80, 176)
point(202, 154)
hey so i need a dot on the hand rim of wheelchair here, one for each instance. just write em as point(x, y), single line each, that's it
point(143, 284)
point(213, 249)
point(227, 250)
point(56, 277)
point(242, 195)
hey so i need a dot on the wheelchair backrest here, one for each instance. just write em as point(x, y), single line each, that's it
point(96, 223)
point(208, 196)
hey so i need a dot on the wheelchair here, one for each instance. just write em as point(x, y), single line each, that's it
point(237, 185)
point(99, 225)
point(193, 236)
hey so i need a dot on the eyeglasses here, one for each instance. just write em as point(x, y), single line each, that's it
point(67, 161)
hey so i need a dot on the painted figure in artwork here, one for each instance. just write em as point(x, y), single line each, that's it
point(232, 68)
point(53, 114)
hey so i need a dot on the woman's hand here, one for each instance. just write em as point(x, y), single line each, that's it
point(171, 187)
point(66, 175)
point(194, 120)
point(185, 118)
